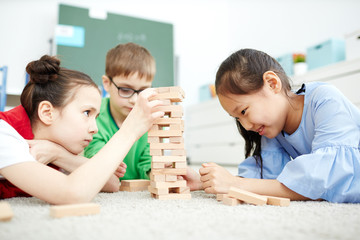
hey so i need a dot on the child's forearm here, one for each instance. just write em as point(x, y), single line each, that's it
point(270, 187)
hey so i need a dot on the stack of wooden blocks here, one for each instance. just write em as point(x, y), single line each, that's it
point(167, 148)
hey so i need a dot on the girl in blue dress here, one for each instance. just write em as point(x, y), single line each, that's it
point(303, 145)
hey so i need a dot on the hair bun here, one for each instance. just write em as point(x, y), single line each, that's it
point(43, 70)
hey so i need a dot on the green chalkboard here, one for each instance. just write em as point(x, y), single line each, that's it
point(101, 35)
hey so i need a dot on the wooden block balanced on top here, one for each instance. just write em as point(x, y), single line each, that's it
point(167, 148)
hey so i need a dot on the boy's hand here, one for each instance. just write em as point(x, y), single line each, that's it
point(45, 151)
point(121, 170)
point(216, 179)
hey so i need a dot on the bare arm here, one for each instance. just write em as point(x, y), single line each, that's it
point(46, 152)
point(216, 179)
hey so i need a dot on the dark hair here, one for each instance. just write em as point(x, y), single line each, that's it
point(242, 73)
point(50, 82)
point(129, 58)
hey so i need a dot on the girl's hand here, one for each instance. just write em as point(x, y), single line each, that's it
point(216, 179)
point(192, 179)
point(144, 113)
point(121, 170)
point(45, 151)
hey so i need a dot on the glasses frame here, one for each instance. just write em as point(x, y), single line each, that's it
point(126, 89)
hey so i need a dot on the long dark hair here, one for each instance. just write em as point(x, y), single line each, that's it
point(50, 82)
point(242, 73)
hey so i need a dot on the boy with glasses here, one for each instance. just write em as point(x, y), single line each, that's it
point(130, 68)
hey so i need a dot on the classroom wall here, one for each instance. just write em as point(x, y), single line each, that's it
point(205, 31)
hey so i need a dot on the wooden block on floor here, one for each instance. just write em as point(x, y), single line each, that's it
point(278, 201)
point(247, 197)
point(6, 213)
point(172, 196)
point(230, 201)
point(134, 185)
point(81, 209)
point(220, 196)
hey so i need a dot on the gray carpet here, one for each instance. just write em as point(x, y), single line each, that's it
point(135, 215)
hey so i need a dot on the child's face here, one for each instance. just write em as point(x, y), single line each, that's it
point(120, 106)
point(263, 112)
point(74, 125)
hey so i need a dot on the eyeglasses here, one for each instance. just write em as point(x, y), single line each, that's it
point(125, 92)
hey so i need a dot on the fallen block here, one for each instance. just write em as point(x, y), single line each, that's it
point(247, 197)
point(278, 201)
point(59, 211)
point(134, 185)
point(6, 213)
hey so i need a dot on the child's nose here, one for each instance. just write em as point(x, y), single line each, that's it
point(133, 98)
point(93, 127)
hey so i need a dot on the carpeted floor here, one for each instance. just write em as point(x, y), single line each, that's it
point(135, 215)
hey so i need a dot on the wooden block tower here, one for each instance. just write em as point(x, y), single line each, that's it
point(167, 148)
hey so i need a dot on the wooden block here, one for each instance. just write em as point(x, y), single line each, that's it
point(168, 121)
point(176, 114)
point(180, 190)
point(157, 165)
point(169, 146)
point(230, 201)
point(168, 159)
point(156, 152)
point(247, 197)
point(134, 185)
point(220, 196)
point(165, 133)
point(180, 165)
point(74, 210)
point(178, 152)
point(179, 183)
point(278, 201)
point(176, 139)
point(170, 108)
point(153, 139)
point(170, 178)
point(158, 177)
point(6, 213)
point(173, 171)
point(172, 196)
point(177, 127)
point(158, 191)
point(173, 96)
point(162, 89)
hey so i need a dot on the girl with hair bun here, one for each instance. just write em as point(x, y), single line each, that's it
point(58, 111)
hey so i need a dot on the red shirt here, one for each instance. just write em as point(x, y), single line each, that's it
point(19, 120)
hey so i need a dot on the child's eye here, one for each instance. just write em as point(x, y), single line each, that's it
point(87, 113)
point(243, 112)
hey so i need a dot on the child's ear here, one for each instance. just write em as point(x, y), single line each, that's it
point(106, 83)
point(46, 112)
point(272, 80)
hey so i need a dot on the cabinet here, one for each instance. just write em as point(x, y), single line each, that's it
point(211, 134)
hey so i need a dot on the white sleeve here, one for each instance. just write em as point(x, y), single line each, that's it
point(13, 148)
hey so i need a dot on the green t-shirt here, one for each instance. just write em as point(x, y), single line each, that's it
point(138, 159)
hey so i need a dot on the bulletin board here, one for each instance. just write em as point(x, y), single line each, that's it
point(93, 37)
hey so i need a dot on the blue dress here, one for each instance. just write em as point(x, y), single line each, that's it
point(321, 159)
